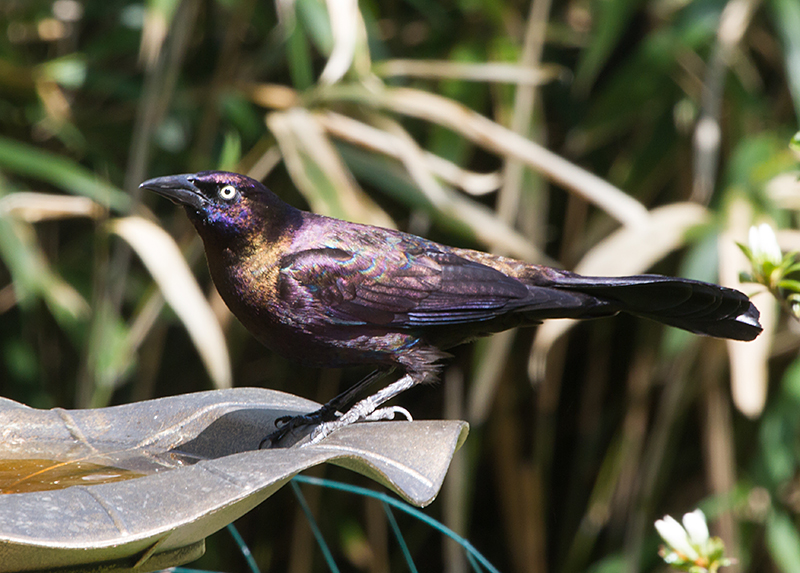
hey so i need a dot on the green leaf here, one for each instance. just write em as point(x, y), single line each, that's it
point(111, 357)
point(319, 172)
point(615, 563)
point(776, 435)
point(442, 141)
point(783, 541)
point(790, 284)
point(757, 159)
point(231, 151)
point(21, 360)
point(787, 261)
point(163, 258)
point(24, 159)
point(790, 385)
point(794, 267)
point(611, 18)
point(746, 250)
point(794, 145)
point(386, 175)
point(316, 24)
point(166, 8)
point(779, 429)
point(299, 58)
point(69, 71)
point(34, 277)
point(787, 20)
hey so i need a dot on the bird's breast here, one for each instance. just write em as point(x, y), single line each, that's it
point(247, 283)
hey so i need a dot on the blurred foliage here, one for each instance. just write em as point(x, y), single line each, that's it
point(440, 118)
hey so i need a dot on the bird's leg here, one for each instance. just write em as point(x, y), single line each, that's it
point(366, 409)
point(345, 397)
point(326, 413)
point(337, 403)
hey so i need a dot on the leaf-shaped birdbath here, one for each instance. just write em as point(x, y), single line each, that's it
point(140, 486)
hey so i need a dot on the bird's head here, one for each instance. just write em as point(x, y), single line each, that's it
point(225, 206)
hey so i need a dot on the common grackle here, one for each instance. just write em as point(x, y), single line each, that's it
point(331, 293)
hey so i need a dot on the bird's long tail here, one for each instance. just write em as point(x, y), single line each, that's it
point(698, 307)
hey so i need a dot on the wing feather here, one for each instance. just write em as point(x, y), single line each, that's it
point(401, 288)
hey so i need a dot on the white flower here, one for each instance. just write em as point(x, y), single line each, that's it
point(689, 547)
point(676, 537)
point(764, 245)
point(697, 528)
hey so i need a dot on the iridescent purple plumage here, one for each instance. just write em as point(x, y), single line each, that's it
point(332, 293)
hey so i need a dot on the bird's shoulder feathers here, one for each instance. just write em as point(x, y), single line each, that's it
point(406, 282)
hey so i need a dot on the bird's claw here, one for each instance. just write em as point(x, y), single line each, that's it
point(284, 420)
point(327, 419)
point(367, 409)
point(387, 413)
point(273, 438)
point(325, 429)
point(287, 424)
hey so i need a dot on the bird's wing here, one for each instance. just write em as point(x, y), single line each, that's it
point(399, 287)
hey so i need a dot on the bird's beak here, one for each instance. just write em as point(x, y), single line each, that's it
point(180, 189)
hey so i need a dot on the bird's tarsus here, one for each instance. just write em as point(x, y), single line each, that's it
point(366, 410)
point(327, 413)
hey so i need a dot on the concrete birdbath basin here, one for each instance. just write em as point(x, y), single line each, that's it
point(139, 487)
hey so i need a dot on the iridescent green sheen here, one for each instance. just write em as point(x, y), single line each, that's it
point(333, 293)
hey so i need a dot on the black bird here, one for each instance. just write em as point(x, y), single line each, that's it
point(331, 293)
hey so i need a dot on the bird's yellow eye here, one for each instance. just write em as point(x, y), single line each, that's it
point(228, 192)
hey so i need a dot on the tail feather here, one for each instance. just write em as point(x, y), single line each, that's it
point(698, 307)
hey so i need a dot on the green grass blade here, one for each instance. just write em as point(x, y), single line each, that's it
point(787, 21)
point(243, 548)
point(399, 536)
point(402, 506)
point(326, 552)
point(27, 160)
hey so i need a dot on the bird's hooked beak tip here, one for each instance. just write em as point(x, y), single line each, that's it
point(180, 189)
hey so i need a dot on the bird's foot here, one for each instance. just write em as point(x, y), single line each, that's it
point(387, 413)
point(325, 429)
point(288, 424)
point(366, 410)
point(327, 419)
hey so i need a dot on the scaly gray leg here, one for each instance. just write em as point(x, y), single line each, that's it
point(365, 409)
